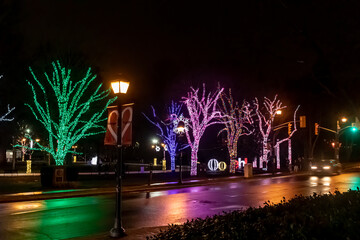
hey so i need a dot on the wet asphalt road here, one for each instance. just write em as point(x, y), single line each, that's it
point(75, 217)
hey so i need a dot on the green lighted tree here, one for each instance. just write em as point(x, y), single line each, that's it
point(65, 108)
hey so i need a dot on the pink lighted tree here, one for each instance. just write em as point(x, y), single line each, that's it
point(290, 134)
point(202, 113)
point(265, 120)
point(237, 121)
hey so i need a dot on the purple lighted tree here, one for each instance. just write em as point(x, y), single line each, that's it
point(166, 130)
point(202, 113)
point(237, 121)
point(265, 120)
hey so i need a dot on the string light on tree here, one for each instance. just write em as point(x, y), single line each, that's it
point(65, 108)
point(290, 134)
point(202, 113)
point(166, 130)
point(265, 122)
point(237, 121)
point(176, 122)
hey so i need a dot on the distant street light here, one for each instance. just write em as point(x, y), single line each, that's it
point(278, 112)
point(344, 119)
point(119, 87)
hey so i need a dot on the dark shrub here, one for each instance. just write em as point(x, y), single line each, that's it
point(332, 216)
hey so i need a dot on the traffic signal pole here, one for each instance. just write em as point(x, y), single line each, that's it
point(337, 136)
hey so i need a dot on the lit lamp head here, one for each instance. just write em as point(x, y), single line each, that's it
point(344, 119)
point(278, 112)
point(154, 141)
point(180, 128)
point(120, 86)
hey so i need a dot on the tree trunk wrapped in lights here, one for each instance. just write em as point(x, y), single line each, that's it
point(265, 120)
point(71, 115)
point(237, 121)
point(203, 113)
point(166, 129)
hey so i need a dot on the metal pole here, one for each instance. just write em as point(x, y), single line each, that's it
point(180, 170)
point(14, 156)
point(164, 158)
point(150, 173)
point(118, 230)
point(337, 144)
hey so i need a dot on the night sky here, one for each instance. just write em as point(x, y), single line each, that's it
point(308, 52)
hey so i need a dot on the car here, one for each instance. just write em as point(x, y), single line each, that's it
point(325, 166)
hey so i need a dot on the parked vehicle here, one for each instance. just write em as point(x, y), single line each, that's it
point(325, 166)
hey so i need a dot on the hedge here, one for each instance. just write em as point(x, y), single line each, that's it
point(329, 216)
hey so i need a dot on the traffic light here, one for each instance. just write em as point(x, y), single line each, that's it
point(316, 129)
point(302, 121)
point(353, 127)
point(289, 128)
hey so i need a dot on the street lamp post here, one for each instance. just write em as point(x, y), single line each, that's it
point(180, 129)
point(119, 87)
point(163, 145)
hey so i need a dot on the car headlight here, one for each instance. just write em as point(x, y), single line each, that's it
point(326, 167)
point(313, 167)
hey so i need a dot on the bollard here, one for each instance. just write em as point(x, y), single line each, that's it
point(248, 170)
point(150, 174)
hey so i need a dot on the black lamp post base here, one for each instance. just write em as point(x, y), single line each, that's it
point(117, 232)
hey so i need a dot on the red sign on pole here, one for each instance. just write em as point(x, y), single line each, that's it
point(126, 124)
point(111, 135)
point(112, 126)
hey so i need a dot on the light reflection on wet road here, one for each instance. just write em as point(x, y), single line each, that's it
point(74, 217)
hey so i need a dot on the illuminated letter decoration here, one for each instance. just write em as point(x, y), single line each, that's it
point(213, 164)
point(222, 166)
